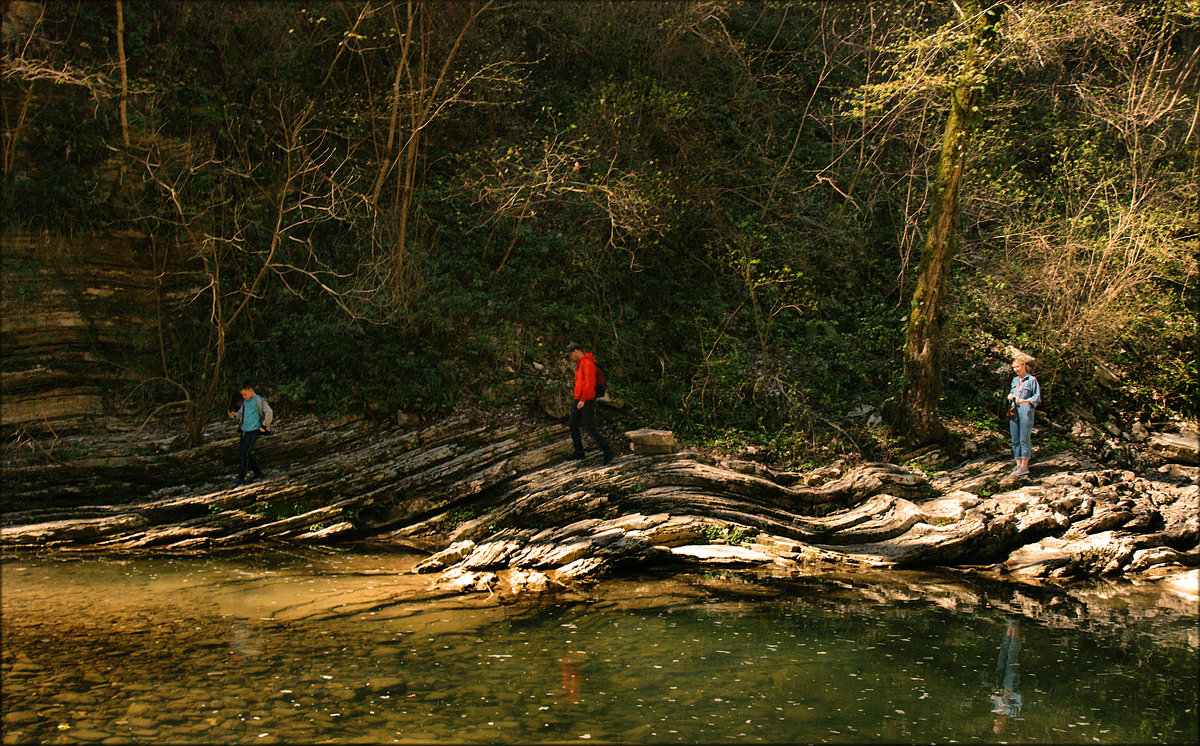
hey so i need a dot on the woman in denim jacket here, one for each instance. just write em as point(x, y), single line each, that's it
point(1025, 394)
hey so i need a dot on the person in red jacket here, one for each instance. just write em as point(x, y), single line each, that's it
point(584, 412)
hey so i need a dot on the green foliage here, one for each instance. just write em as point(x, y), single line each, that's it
point(725, 202)
point(277, 510)
point(459, 516)
point(1054, 444)
point(735, 538)
point(988, 488)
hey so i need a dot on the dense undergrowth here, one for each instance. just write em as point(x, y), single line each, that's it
point(724, 200)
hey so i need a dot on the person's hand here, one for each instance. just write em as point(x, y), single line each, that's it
point(232, 415)
point(579, 404)
point(1011, 397)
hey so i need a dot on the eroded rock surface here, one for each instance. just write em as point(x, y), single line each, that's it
point(502, 507)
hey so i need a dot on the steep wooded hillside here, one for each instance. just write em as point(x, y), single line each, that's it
point(408, 206)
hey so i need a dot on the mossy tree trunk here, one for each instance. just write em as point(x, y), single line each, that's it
point(917, 419)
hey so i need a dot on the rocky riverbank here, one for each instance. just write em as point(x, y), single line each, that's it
point(501, 507)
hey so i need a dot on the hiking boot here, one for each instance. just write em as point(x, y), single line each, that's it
point(236, 483)
point(578, 456)
point(608, 456)
point(1021, 471)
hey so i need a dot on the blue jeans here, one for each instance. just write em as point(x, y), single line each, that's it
point(1021, 429)
point(1008, 666)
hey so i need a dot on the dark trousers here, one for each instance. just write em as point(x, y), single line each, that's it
point(585, 417)
point(246, 457)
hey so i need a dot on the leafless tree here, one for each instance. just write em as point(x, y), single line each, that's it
point(213, 227)
point(1127, 228)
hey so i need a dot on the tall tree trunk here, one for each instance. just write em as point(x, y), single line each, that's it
point(121, 61)
point(917, 419)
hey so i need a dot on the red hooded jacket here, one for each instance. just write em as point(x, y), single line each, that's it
point(585, 378)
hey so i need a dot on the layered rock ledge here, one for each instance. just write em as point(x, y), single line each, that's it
point(503, 507)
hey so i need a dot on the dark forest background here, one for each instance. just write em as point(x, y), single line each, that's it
point(413, 206)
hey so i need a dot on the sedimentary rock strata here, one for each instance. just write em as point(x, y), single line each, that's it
point(503, 506)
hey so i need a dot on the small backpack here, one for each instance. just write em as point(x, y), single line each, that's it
point(601, 381)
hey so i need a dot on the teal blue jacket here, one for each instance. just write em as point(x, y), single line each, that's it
point(255, 414)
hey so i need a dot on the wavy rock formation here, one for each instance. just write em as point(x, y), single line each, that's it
point(503, 507)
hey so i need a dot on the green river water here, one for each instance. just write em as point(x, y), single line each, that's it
point(308, 646)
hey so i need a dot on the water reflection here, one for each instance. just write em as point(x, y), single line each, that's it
point(1006, 697)
point(245, 640)
point(334, 649)
point(572, 677)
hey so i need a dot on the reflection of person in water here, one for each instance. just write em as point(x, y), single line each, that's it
point(1006, 700)
point(245, 641)
point(572, 677)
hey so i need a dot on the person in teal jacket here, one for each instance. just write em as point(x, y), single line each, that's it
point(255, 418)
point(1025, 394)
